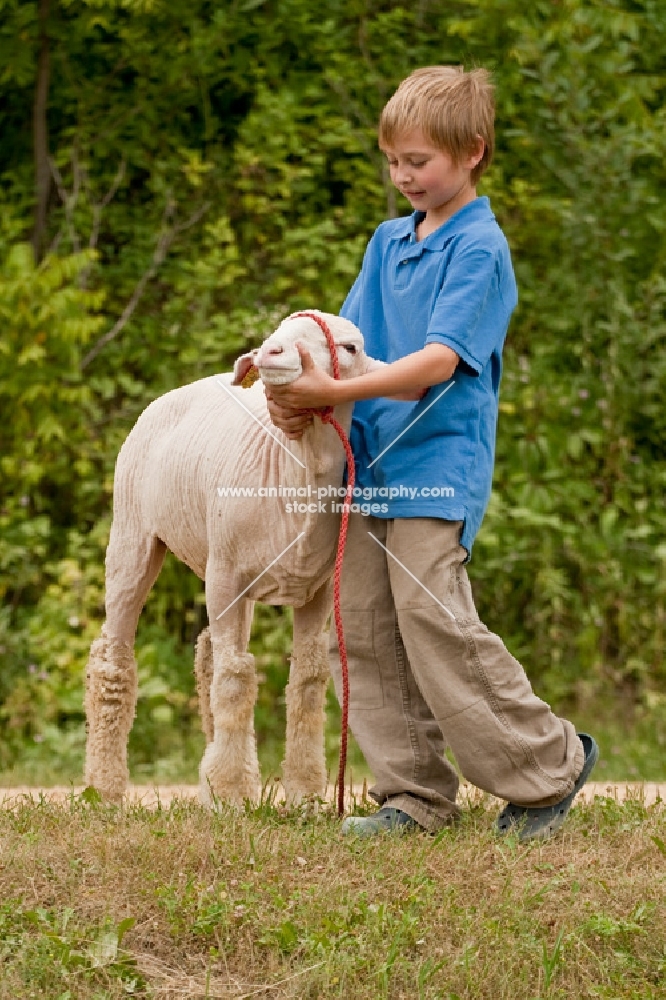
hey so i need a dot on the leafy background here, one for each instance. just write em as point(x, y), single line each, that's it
point(175, 177)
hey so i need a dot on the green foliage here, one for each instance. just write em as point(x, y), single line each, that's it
point(55, 948)
point(214, 167)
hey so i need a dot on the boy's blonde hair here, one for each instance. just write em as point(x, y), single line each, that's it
point(450, 106)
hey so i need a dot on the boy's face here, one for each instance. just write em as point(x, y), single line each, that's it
point(426, 174)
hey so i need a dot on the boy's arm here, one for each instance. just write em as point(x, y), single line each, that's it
point(433, 364)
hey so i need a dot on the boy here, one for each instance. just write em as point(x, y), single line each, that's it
point(434, 299)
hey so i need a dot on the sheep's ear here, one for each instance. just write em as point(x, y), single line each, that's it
point(371, 364)
point(242, 366)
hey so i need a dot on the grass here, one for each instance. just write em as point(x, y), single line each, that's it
point(98, 902)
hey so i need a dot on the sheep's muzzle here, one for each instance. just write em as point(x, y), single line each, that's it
point(279, 376)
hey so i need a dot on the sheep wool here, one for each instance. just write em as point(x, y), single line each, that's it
point(173, 490)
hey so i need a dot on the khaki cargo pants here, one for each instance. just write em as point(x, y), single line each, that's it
point(424, 672)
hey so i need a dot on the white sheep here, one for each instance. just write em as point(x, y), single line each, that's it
point(184, 446)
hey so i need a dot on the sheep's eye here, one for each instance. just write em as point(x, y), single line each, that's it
point(350, 347)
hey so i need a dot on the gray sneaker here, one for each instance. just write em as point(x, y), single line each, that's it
point(541, 823)
point(387, 820)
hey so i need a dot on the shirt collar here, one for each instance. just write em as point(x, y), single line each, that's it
point(474, 211)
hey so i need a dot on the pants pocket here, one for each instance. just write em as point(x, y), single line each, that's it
point(368, 643)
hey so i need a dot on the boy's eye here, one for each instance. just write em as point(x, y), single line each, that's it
point(410, 163)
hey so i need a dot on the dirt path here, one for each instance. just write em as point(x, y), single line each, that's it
point(149, 795)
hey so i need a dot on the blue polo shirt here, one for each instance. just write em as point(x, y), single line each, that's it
point(434, 458)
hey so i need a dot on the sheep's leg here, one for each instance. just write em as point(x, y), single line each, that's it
point(203, 671)
point(230, 767)
point(132, 566)
point(304, 766)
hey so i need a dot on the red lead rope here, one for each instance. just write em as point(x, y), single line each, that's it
point(328, 418)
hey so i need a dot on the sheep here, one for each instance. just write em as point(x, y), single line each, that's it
point(185, 445)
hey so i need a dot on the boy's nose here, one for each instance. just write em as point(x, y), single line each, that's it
point(402, 175)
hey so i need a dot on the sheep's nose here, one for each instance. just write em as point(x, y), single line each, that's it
point(275, 350)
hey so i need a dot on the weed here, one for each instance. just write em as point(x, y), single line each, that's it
point(551, 960)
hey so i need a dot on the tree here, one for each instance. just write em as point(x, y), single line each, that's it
point(212, 167)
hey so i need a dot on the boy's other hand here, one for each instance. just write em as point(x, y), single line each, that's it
point(292, 422)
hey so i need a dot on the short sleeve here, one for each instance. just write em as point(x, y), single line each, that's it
point(351, 307)
point(469, 315)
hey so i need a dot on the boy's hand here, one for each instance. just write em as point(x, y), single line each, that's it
point(292, 422)
point(312, 388)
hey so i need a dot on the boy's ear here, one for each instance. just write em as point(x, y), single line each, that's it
point(476, 155)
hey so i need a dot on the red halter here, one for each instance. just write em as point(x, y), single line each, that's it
point(328, 418)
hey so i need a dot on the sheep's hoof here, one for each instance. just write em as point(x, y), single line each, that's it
point(215, 786)
point(304, 793)
point(227, 795)
point(308, 804)
point(111, 787)
point(300, 783)
point(111, 795)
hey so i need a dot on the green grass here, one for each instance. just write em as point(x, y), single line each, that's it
point(98, 902)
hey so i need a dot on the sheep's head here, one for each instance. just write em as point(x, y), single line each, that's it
point(279, 362)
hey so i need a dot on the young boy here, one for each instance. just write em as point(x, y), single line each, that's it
point(434, 299)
